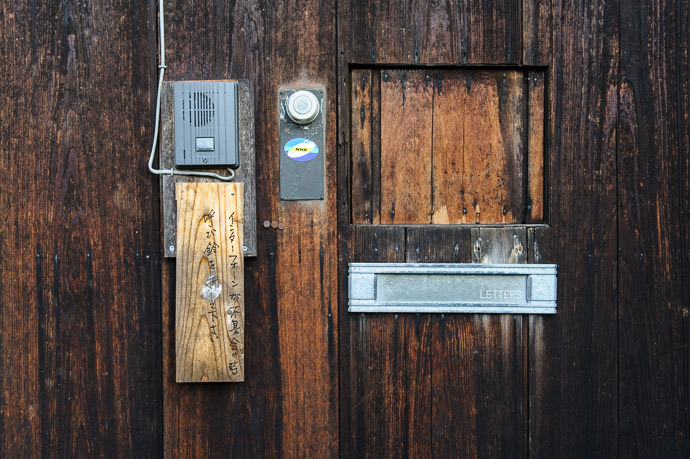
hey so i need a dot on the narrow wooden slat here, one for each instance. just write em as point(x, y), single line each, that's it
point(535, 148)
point(406, 106)
point(513, 110)
point(449, 146)
point(492, 159)
point(361, 144)
point(376, 147)
point(209, 311)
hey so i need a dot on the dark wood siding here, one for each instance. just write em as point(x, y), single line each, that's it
point(80, 267)
point(653, 252)
point(573, 356)
point(86, 300)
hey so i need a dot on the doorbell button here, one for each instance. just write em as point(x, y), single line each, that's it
point(303, 107)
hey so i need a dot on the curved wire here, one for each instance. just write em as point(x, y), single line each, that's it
point(161, 72)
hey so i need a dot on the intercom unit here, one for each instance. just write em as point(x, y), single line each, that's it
point(206, 127)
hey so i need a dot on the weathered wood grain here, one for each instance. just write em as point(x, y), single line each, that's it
point(653, 126)
point(492, 160)
point(79, 271)
point(406, 117)
point(388, 365)
point(209, 293)
point(573, 381)
point(479, 168)
point(361, 146)
point(534, 201)
point(448, 174)
point(417, 32)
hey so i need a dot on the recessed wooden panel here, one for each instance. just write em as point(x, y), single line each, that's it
point(457, 146)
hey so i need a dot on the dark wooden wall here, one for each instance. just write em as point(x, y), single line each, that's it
point(80, 347)
point(86, 301)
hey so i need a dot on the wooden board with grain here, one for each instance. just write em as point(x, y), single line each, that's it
point(493, 147)
point(535, 148)
point(361, 162)
point(448, 178)
point(209, 313)
point(406, 100)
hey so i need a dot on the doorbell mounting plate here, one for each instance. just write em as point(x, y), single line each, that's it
point(206, 133)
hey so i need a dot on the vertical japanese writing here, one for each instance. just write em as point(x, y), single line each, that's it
point(233, 311)
point(212, 286)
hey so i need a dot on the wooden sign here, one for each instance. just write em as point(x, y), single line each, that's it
point(209, 312)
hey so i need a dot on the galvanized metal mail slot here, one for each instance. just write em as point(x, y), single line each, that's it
point(466, 288)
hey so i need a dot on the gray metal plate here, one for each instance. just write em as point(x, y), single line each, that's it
point(468, 288)
point(302, 178)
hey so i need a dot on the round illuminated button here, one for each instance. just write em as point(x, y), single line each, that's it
point(303, 107)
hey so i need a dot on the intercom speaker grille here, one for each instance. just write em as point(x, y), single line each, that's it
point(206, 123)
point(199, 108)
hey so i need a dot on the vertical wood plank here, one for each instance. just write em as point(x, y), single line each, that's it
point(209, 310)
point(376, 147)
point(573, 380)
point(654, 362)
point(535, 148)
point(406, 106)
point(492, 163)
point(306, 249)
point(362, 169)
point(448, 173)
